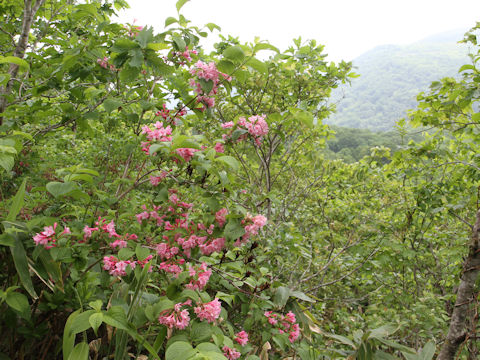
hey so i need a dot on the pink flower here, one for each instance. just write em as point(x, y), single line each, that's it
point(209, 311)
point(230, 354)
point(211, 246)
point(116, 267)
point(165, 251)
point(241, 337)
point(202, 275)
point(220, 216)
point(219, 148)
point(256, 126)
point(186, 153)
point(45, 237)
point(142, 216)
point(253, 225)
point(227, 125)
point(120, 243)
point(176, 318)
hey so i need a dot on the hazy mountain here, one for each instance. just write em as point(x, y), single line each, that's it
point(390, 78)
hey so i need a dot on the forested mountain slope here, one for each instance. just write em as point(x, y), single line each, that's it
point(390, 78)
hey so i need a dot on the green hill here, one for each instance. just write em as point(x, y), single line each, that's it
point(390, 78)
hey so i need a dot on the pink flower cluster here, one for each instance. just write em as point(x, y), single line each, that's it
point(105, 64)
point(186, 55)
point(117, 267)
point(158, 133)
point(47, 236)
point(207, 72)
point(220, 216)
point(176, 318)
point(209, 311)
point(199, 277)
point(241, 337)
point(252, 224)
point(231, 354)
point(155, 180)
point(186, 153)
point(179, 318)
point(284, 324)
point(256, 126)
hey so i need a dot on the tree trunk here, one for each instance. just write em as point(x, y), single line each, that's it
point(28, 17)
point(457, 332)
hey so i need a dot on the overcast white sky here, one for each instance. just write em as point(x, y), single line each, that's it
point(346, 27)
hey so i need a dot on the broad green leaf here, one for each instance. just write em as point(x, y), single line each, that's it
point(467, 67)
point(169, 21)
point(179, 43)
point(428, 351)
point(8, 150)
point(17, 202)
point(281, 296)
point(234, 53)
point(111, 105)
point(80, 352)
point(127, 74)
point(179, 350)
point(21, 264)
point(19, 303)
point(158, 46)
point(305, 117)
point(180, 4)
point(58, 188)
point(201, 331)
point(212, 26)
point(265, 46)
point(476, 117)
point(95, 321)
point(233, 230)
point(230, 161)
point(302, 296)
point(69, 335)
point(342, 339)
point(81, 322)
point(226, 66)
point(14, 60)
point(123, 45)
point(257, 65)
point(7, 162)
point(383, 331)
point(145, 36)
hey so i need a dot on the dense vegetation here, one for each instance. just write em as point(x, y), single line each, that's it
point(390, 78)
point(159, 202)
point(351, 145)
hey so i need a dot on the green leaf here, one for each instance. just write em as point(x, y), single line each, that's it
point(145, 36)
point(230, 161)
point(305, 117)
point(111, 104)
point(7, 162)
point(58, 188)
point(95, 321)
point(158, 46)
point(383, 331)
point(201, 331)
point(69, 335)
point(81, 322)
point(281, 296)
point(476, 117)
point(127, 74)
point(169, 21)
point(8, 149)
point(258, 65)
point(179, 43)
point(233, 230)
point(234, 53)
point(466, 67)
point(265, 46)
point(226, 66)
point(80, 352)
point(302, 296)
point(17, 202)
point(124, 45)
point(428, 351)
point(19, 303)
point(21, 264)
point(179, 350)
point(14, 60)
point(342, 339)
point(141, 252)
point(212, 26)
point(180, 4)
